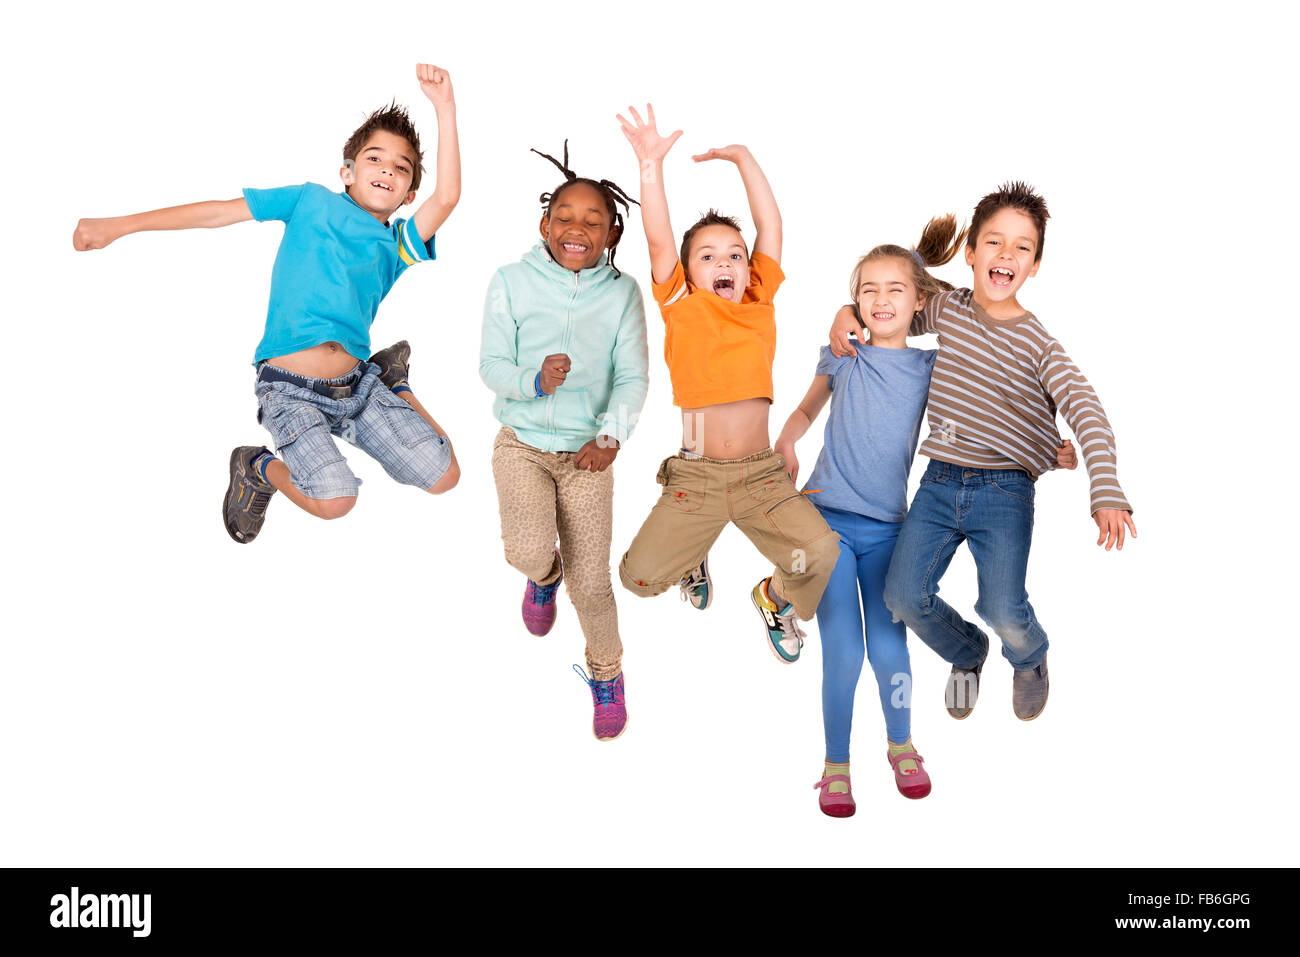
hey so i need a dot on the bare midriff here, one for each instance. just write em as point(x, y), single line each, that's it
point(329, 360)
point(729, 430)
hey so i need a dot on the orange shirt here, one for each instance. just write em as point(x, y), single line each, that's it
point(718, 350)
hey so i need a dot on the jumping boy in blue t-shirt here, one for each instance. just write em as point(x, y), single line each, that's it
point(340, 254)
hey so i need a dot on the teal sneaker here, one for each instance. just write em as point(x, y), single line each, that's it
point(697, 586)
point(784, 636)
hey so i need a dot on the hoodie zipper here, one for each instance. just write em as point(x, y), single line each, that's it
point(565, 345)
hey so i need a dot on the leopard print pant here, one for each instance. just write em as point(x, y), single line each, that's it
point(543, 497)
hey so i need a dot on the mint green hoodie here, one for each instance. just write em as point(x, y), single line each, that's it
point(536, 308)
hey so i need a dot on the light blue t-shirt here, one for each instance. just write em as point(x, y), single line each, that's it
point(877, 404)
point(335, 265)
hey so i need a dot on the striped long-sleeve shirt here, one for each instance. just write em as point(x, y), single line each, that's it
point(995, 392)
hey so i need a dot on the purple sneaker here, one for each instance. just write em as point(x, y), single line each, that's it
point(539, 604)
point(607, 697)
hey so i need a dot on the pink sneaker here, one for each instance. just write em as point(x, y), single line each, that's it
point(836, 805)
point(539, 603)
point(911, 784)
point(610, 719)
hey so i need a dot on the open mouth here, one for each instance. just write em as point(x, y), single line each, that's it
point(575, 249)
point(724, 286)
point(883, 316)
point(379, 185)
point(1001, 276)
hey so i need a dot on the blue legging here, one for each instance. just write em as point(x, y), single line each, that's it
point(866, 545)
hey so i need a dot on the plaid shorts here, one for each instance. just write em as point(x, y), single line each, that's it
point(303, 424)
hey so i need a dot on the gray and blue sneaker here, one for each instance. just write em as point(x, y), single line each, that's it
point(962, 691)
point(697, 586)
point(1029, 691)
point(394, 364)
point(247, 496)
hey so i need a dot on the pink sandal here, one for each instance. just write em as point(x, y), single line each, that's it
point(911, 784)
point(836, 805)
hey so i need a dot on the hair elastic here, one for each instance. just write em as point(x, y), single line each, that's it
point(919, 261)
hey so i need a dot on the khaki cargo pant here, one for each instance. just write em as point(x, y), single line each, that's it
point(701, 496)
point(543, 498)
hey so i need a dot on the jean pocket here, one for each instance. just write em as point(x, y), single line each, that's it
point(797, 520)
point(288, 422)
point(1021, 489)
point(677, 495)
point(770, 484)
point(407, 425)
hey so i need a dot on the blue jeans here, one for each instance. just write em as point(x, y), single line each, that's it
point(992, 510)
point(866, 545)
point(303, 424)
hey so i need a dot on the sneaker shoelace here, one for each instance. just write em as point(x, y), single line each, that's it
point(602, 692)
point(691, 582)
point(789, 625)
point(541, 594)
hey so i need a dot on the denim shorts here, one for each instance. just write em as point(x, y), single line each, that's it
point(303, 424)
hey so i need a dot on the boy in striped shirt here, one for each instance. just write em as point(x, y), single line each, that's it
point(998, 382)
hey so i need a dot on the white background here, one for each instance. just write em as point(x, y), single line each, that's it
point(363, 692)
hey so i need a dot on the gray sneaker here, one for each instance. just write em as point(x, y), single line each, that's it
point(963, 690)
point(394, 364)
point(244, 509)
point(697, 586)
point(1029, 692)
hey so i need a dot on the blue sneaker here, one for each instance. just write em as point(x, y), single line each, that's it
point(784, 636)
point(697, 586)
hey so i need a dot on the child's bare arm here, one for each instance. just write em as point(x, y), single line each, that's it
point(651, 148)
point(800, 421)
point(846, 323)
point(435, 83)
point(762, 204)
point(98, 233)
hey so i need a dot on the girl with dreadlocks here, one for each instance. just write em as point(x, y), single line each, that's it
point(564, 349)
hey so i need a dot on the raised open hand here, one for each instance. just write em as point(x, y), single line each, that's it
point(734, 153)
point(644, 136)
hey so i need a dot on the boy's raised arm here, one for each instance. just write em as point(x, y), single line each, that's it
point(98, 233)
point(650, 150)
point(435, 83)
point(762, 203)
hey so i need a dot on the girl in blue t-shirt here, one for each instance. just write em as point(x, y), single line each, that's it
point(859, 484)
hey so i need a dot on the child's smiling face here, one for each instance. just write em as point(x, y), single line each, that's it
point(578, 228)
point(380, 179)
point(719, 262)
point(1003, 256)
point(887, 299)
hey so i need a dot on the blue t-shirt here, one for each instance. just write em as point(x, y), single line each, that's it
point(335, 265)
point(877, 404)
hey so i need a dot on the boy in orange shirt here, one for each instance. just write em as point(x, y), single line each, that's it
point(719, 343)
